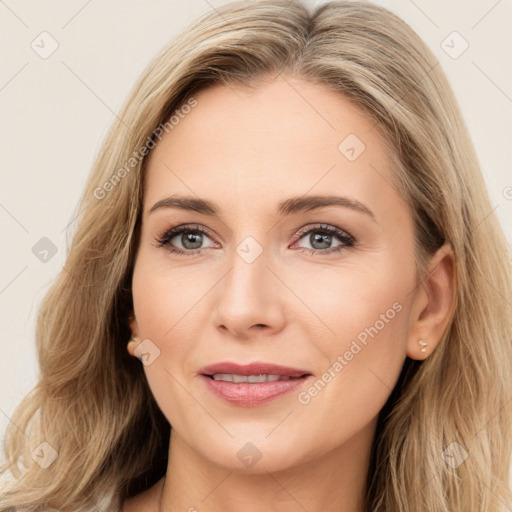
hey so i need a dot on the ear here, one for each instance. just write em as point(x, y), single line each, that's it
point(134, 328)
point(433, 304)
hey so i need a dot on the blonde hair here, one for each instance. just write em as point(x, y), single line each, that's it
point(92, 403)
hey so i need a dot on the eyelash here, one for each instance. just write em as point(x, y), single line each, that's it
point(347, 240)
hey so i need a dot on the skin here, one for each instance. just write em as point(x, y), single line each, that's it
point(246, 151)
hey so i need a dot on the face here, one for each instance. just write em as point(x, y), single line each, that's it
point(235, 279)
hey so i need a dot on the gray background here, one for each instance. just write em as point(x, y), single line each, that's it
point(55, 112)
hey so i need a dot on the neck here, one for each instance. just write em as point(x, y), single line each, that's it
point(333, 481)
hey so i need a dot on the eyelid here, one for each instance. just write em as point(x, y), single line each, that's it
point(322, 226)
point(164, 236)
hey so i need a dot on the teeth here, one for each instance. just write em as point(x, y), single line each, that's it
point(263, 378)
point(230, 377)
point(223, 376)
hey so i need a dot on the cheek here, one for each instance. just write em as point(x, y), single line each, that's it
point(164, 299)
point(356, 302)
point(366, 312)
point(166, 302)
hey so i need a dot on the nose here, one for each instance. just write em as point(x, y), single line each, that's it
point(249, 298)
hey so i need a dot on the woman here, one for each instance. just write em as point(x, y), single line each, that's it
point(196, 355)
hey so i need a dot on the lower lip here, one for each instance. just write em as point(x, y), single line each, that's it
point(248, 394)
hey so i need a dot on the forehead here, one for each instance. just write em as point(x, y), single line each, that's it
point(283, 138)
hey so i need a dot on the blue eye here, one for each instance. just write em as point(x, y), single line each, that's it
point(191, 238)
point(323, 235)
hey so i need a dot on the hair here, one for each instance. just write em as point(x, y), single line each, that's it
point(92, 402)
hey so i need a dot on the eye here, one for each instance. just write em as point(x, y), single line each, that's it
point(320, 239)
point(190, 238)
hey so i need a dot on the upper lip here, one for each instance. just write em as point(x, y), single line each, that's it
point(255, 368)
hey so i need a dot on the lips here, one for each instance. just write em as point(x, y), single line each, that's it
point(252, 384)
point(252, 369)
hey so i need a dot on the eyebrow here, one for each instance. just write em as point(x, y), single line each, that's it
point(288, 207)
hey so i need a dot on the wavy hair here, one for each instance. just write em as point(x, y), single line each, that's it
point(92, 402)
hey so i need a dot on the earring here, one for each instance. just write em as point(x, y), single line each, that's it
point(133, 339)
point(423, 344)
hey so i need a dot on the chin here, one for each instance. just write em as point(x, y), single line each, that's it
point(248, 454)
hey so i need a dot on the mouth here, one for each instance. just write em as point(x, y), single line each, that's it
point(252, 384)
point(233, 377)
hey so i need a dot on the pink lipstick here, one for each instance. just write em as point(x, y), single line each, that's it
point(252, 384)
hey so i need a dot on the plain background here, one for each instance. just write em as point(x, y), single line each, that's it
point(55, 112)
